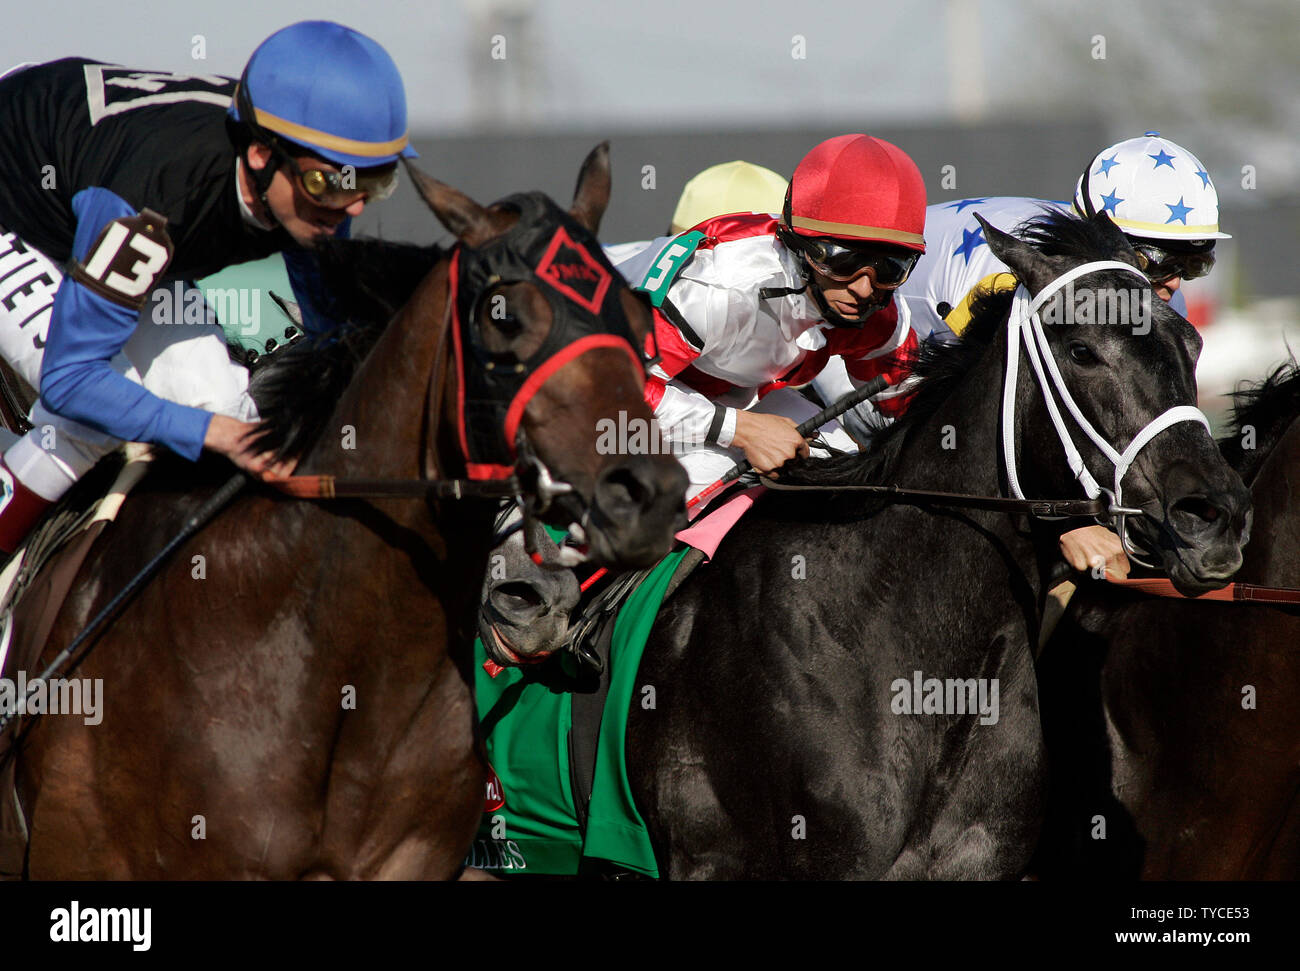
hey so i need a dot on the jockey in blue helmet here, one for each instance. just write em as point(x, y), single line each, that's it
point(324, 107)
point(176, 177)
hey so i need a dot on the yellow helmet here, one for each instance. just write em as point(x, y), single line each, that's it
point(725, 188)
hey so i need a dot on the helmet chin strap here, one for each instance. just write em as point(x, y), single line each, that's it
point(791, 242)
point(261, 179)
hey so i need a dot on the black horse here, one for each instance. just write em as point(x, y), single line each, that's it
point(1176, 721)
point(784, 739)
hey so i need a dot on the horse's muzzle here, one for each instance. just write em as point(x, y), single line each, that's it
point(1199, 528)
point(639, 505)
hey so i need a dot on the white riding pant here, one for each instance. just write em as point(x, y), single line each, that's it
point(708, 463)
point(182, 362)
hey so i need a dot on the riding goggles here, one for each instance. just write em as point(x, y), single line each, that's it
point(845, 263)
point(1159, 265)
point(338, 190)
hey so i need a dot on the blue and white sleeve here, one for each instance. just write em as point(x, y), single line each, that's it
point(89, 327)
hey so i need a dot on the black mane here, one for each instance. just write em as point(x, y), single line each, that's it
point(366, 281)
point(1060, 233)
point(941, 366)
point(1268, 407)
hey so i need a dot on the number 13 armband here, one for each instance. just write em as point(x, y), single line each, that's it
point(127, 259)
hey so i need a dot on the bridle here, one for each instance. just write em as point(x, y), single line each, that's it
point(548, 248)
point(1025, 326)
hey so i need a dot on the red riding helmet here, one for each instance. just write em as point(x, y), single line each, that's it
point(860, 189)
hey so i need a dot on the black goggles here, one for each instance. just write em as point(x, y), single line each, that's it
point(1159, 265)
point(338, 190)
point(888, 270)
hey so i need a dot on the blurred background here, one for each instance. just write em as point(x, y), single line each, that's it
point(990, 97)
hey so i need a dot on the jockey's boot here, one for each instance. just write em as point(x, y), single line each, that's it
point(20, 509)
point(1059, 589)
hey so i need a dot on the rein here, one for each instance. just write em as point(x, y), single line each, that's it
point(1232, 593)
point(331, 487)
point(1041, 508)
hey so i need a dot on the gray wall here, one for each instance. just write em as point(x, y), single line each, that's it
point(1007, 158)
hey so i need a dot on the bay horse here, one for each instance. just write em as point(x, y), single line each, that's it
point(300, 707)
point(1175, 722)
point(784, 738)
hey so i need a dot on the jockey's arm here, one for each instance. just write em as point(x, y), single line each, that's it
point(96, 310)
point(118, 257)
point(688, 417)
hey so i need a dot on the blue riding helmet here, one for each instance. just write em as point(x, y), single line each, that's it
point(329, 89)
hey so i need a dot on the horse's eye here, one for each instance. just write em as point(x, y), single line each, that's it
point(503, 318)
point(1081, 354)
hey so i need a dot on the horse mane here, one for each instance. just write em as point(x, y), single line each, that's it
point(941, 366)
point(1268, 407)
point(365, 282)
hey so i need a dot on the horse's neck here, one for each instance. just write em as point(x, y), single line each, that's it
point(1273, 488)
point(382, 416)
point(1280, 445)
point(957, 448)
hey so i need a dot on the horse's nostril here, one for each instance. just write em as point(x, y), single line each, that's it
point(516, 596)
point(622, 486)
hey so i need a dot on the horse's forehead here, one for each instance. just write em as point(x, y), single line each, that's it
point(530, 211)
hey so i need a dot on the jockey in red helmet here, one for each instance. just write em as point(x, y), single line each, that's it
point(752, 303)
point(855, 212)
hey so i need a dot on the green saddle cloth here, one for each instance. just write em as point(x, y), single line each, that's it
point(526, 724)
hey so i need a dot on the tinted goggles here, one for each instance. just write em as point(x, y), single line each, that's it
point(1160, 265)
point(846, 263)
point(337, 190)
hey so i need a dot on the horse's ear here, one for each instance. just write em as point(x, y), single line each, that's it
point(464, 218)
point(1122, 248)
point(592, 195)
point(1031, 267)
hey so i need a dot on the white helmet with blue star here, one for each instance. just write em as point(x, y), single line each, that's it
point(1152, 188)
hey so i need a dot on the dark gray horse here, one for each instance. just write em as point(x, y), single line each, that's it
point(526, 607)
point(807, 683)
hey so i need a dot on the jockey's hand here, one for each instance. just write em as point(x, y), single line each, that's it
point(769, 441)
point(1091, 546)
point(233, 439)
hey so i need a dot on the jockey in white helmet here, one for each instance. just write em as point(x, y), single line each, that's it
point(1157, 192)
point(1162, 198)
